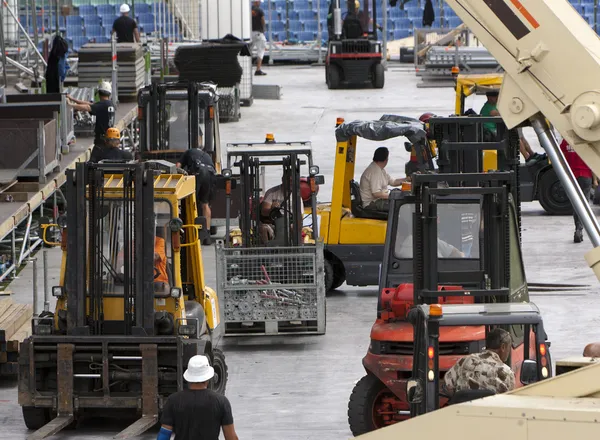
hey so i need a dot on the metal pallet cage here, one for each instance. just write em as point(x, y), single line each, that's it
point(229, 104)
point(271, 291)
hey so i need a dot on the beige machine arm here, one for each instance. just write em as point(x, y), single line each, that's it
point(551, 59)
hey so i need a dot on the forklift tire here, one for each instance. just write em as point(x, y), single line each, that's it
point(219, 380)
point(552, 195)
point(333, 78)
point(378, 76)
point(361, 405)
point(35, 418)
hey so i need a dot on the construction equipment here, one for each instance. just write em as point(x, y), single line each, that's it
point(485, 266)
point(538, 179)
point(270, 269)
point(354, 51)
point(176, 116)
point(132, 304)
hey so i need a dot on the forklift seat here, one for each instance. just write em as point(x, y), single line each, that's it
point(357, 208)
point(352, 28)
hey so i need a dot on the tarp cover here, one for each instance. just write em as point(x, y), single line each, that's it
point(388, 127)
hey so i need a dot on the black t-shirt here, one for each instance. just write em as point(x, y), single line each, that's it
point(104, 111)
point(115, 153)
point(257, 16)
point(124, 26)
point(197, 414)
point(190, 156)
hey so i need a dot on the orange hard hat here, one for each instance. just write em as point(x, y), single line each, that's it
point(113, 133)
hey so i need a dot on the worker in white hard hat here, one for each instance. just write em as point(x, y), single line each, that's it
point(125, 27)
point(103, 110)
point(258, 35)
point(198, 412)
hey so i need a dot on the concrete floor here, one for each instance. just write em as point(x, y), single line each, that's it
point(297, 388)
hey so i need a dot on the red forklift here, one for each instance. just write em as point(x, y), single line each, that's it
point(354, 51)
point(453, 239)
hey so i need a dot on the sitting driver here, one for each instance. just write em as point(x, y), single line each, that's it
point(375, 180)
point(160, 258)
point(485, 370)
point(274, 198)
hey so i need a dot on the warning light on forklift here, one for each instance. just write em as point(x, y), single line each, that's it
point(430, 352)
point(270, 137)
point(455, 70)
point(339, 121)
point(406, 186)
point(543, 349)
point(435, 310)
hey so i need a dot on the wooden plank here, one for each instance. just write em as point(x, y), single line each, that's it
point(4, 303)
point(6, 292)
point(20, 335)
point(10, 323)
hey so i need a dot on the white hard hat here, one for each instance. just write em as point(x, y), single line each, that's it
point(124, 8)
point(105, 87)
point(198, 370)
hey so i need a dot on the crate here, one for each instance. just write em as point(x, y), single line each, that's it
point(246, 98)
point(271, 291)
point(229, 104)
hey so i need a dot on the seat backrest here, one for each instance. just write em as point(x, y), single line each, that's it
point(352, 28)
point(355, 198)
point(468, 395)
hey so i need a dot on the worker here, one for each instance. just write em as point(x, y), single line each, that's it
point(485, 370)
point(274, 198)
point(112, 150)
point(197, 162)
point(197, 412)
point(490, 108)
point(444, 249)
point(125, 27)
point(160, 257)
point(103, 110)
point(584, 177)
point(375, 180)
point(258, 35)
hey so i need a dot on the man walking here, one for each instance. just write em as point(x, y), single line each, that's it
point(584, 177)
point(258, 35)
point(197, 413)
point(199, 163)
point(103, 110)
point(125, 27)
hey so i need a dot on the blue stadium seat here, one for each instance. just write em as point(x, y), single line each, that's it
point(74, 31)
point(106, 9)
point(302, 5)
point(108, 20)
point(74, 20)
point(306, 36)
point(311, 26)
point(293, 15)
point(277, 26)
point(454, 22)
point(578, 8)
point(77, 42)
point(280, 4)
point(92, 20)
point(414, 12)
point(402, 23)
point(449, 12)
point(100, 39)
point(399, 34)
point(142, 8)
point(146, 18)
point(94, 31)
point(295, 26)
point(85, 10)
point(307, 15)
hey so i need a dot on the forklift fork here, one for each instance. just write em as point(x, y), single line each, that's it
point(64, 374)
point(149, 394)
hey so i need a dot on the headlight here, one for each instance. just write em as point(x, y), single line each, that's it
point(175, 292)
point(226, 173)
point(62, 221)
point(175, 225)
point(58, 291)
point(314, 170)
point(43, 330)
point(187, 330)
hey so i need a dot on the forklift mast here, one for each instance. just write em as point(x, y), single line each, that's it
point(93, 249)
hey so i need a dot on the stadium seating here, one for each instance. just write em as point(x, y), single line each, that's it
point(92, 20)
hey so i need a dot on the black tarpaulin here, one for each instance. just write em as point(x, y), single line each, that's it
point(428, 14)
point(382, 130)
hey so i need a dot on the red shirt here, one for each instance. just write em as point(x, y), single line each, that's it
point(578, 166)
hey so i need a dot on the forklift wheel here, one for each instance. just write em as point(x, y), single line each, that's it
point(378, 76)
point(552, 195)
point(35, 418)
point(219, 381)
point(333, 79)
point(334, 274)
point(370, 398)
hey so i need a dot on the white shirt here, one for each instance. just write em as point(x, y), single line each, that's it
point(275, 195)
point(373, 180)
point(444, 250)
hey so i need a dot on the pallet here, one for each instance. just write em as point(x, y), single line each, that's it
point(300, 327)
point(15, 326)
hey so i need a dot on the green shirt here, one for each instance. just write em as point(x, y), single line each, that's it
point(487, 108)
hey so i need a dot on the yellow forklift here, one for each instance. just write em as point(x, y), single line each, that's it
point(132, 303)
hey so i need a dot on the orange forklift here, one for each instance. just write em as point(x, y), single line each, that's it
point(452, 239)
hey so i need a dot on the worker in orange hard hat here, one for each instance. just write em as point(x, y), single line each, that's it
point(113, 150)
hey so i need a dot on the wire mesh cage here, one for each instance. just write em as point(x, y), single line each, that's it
point(246, 83)
point(272, 286)
point(229, 104)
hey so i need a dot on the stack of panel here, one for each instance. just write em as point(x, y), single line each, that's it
point(95, 64)
point(212, 62)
